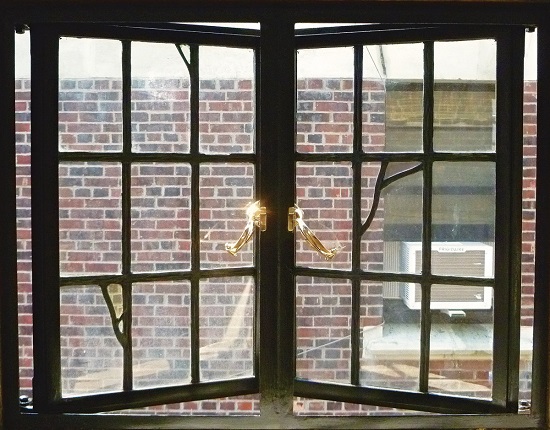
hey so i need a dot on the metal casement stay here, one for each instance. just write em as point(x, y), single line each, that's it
point(48, 392)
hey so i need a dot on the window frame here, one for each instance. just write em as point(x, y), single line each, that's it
point(22, 419)
point(47, 380)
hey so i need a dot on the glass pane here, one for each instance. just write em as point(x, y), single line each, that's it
point(461, 346)
point(90, 222)
point(226, 327)
point(90, 95)
point(465, 95)
point(324, 192)
point(161, 217)
point(390, 337)
point(392, 97)
point(316, 407)
point(23, 214)
point(91, 355)
point(225, 406)
point(391, 215)
point(528, 220)
point(160, 99)
point(227, 100)
point(323, 315)
point(463, 218)
point(161, 334)
point(324, 110)
point(225, 192)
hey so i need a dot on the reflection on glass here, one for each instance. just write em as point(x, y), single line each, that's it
point(391, 214)
point(160, 99)
point(473, 259)
point(324, 192)
point(390, 340)
point(461, 349)
point(463, 213)
point(324, 110)
point(90, 225)
point(161, 334)
point(91, 355)
point(226, 323)
point(392, 97)
point(464, 96)
point(323, 313)
point(227, 100)
point(161, 217)
point(90, 95)
point(226, 189)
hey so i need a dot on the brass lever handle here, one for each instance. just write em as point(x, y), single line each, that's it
point(296, 219)
point(256, 216)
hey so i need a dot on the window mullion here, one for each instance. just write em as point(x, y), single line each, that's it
point(277, 171)
point(427, 136)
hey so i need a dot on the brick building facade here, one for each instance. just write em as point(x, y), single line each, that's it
point(90, 216)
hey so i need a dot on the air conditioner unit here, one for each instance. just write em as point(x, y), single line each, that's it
point(473, 259)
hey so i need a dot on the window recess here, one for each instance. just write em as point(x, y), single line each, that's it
point(399, 147)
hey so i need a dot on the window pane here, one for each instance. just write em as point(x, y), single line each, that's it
point(316, 407)
point(528, 219)
point(323, 314)
point(461, 347)
point(227, 100)
point(464, 96)
point(161, 217)
point(91, 355)
point(392, 97)
point(391, 214)
point(160, 99)
point(324, 192)
point(90, 218)
point(226, 328)
point(225, 406)
point(324, 110)
point(464, 215)
point(225, 191)
point(161, 334)
point(23, 215)
point(90, 95)
point(390, 334)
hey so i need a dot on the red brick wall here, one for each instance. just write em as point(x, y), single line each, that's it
point(90, 225)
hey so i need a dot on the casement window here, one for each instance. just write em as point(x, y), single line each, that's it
point(275, 224)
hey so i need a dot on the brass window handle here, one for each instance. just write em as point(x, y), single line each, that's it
point(296, 219)
point(256, 216)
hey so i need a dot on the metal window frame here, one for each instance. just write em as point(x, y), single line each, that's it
point(47, 380)
point(509, 90)
point(271, 16)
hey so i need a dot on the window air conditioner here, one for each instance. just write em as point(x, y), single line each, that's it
point(473, 259)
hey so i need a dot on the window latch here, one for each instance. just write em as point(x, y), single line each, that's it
point(296, 220)
point(256, 217)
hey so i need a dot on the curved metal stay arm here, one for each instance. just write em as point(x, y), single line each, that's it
point(256, 216)
point(296, 219)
